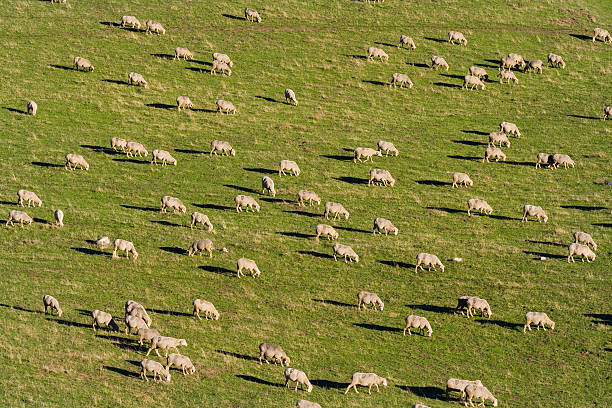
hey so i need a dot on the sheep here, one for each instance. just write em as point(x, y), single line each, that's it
point(155, 27)
point(405, 40)
point(581, 250)
point(164, 156)
point(220, 146)
point(131, 305)
point(146, 334)
point(165, 343)
point(123, 245)
point(479, 205)
point(509, 75)
point(366, 152)
point(274, 353)
point(429, 260)
point(249, 265)
point(59, 218)
point(472, 391)
point(462, 303)
point(101, 318)
point(50, 303)
point(494, 153)
point(131, 20)
point(220, 66)
point(517, 58)
point(172, 203)
point(387, 147)
point(293, 374)
point(534, 65)
point(137, 310)
point(208, 308)
point(543, 158)
point(251, 15)
point(507, 62)
point(19, 216)
point(328, 230)
point(369, 298)
point(103, 242)
point(180, 361)
point(31, 108)
point(246, 201)
point(182, 52)
point(336, 209)
point(307, 195)
point(154, 367)
point(29, 196)
point(138, 79)
point(603, 34)
point(563, 159)
point(534, 211)
point(455, 384)
point(417, 322)
point(223, 58)
point(134, 322)
point(345, 251)
point(197, 217)
point(374, 52)
point(461, 178)
point(74, 160)
point(607, 112)
point(306, 404)
point(498, 137)
point(401, 79)
point(290, 166)
point(473, 81)
point(477, 303)
point(556, 60)
point(58, 1)
point(267, 184)
point(290, 96)
point(366, 380)
point(419, 405)
point(135, 148)
point(118, 143)
point(383, 225)
point(510, 128)
point(456, 36)
point(584, 238)
point(437, 62)
point(539, 319)
point(381, 176)
point(201, 245)
point(183, 102)
point(478, 72)
point(225, 106)
point(84, 63)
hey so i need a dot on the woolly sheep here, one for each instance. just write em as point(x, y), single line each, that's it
point(83, 63)
point(498, 137)
point(290, 166)
point(366, 380)
point(246, 201)
point(201, 245)
point(508, 75)
point(326, 230)
point(172, 203)
point(103, 242)
point(135, 148)
point(274, 353)
point(381, 176)
point(584, 238)
point(366, 152)
point(478, 72)
point(223, 58)
point(307, 195)
point(401, 79)
point(456, 36)
point(607, 112)
point(336, 209)
point(158, 370)
point(123, 245)
point(59, 218)
point(455, 384)
point(206, 307)
point(101, 318)
point(479, 205)
point(251, 15)
point(267, 184)
point(494, 153)
point(563, 159)
point(137, 310)
point(134, 322)
point(165, 343)
point(306, 404)
point(183, 102)
point(580, 250)
point(478, 391)
point(138, 79)
point(164, 156)
point(200, 218)
point(539, 319)
point(220, 66)
point(461, 178)
point(543, 158)
point(387, 147)
point(374, 52)
point(418, 322)
point(131, 305)
point(51, 304)
point(534, 65)
point(18, 216)
point(510, 128)
point(369, 298)
point(293, 374)
point(290, 96)
point(438, 62)
point(146, 334)
point(180, 361)
point(182, 52)
point(419, 405)
point(383, 225)
point(405, 40)
point(344, 251)
point(477, 303)
point(556, 60)
point(31, 108)
point(29, 196)
point(118, 143)
point(249, 265)
point(506, 62)
point(534, 211)
point(131, 20)
point(220, 146)
point(155, 27)
point(74, 160)
point(473, 81)
point(429, 260)
point(603, 34)
point(225, 106)
point(462, 303)
point(517, 58)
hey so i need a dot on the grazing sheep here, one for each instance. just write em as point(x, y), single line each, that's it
point(429, 260)
point(510, 128)
point(556, 60)
point(603, 34)
point(249, 265)
point(461, 178)
point(158, 370)
point(51, 304)
point(563, 159)
point(307, 195)
point(539, 319)
point(83, 63)
point(183, 102)
point(59, 218)
point(135, 148)
point(155, 27)
point(518, 59)
point(31, 108)
point(164, 156)
point(180, 361)
point(201, 245)
point(336, 209)
point(251, 15)
point(345, 251)
point(473, 81)
point(165, 343)
point(419, 405)
point(103, 242)
point(29, 196)
point(401, 79)
point(382, 177)
point(220, 146)
point(293, 374)
point(246, 201)
point(498, 137)
point(479, 205)
point(478, 72)
point(366, 380)
point(182, 52)
point(74, 160)
point(462, 303)
point(225, 106)
point(584, 238)
point(383, 225)
point(534, 65)
point(138, 79)
point(438, 62)
point(306, 404)
point(172, 203)
point(477, 303)
point(508, 75)
point(290, 96)
point(405, 40)
point(455, 384)
point(387, 147)
point(205, 306)
point(118, 143)
point(101, 318)
point(543, 158)
point(607, 112)
point(19, 216)
point(197, 217)
point(131, 20)
point(220, 66)
point(456, 36)
point(223, 58)
point(267, 184)
point(534, 211)
point(274, 353)
point(417, 322)
point(134, 322)
point(581, 250)
point(137, 310)
point(366, 152)
point(472, 391)
point(146, 334)
point(326, 230)
point(506, 62)
point(290, 166)
point(369, 298)
point(494, 153)
point(374, 52)
point(127, 246)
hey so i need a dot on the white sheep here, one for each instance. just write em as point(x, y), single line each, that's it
point(50, 303)
point(274, 353)
point(369, 298)
point(101, 318)
point(220, 146)
point(336, 209)
point(306, 404)
point(473, 81)
point(84, 63)
point(494, 153)
point(539, 319)
point(155, 27)
point(517, 58)
point(206, 307)
point(293, 374)
point(476, 204)
point(127, 246)
point(251, 15)
point(366, 380)
point(580, 250)
point(19, 216)
point(290, 166)
point(137, 310)
point(134, 149)
point(180, 361)
point(401, 79)
point(267, 184)
point(182, 52)
point(534, 211)
point(158, 370)
point(563, 159)
point(381, 177)
point(534, 65)
point(478, 72)
point(510, 128)
point(223, 58)
point(344, 251)
point(456, 36)
point(405, 40)
point(164, 156)
point(249, 265)
point(383, 225)
point(506, 62)
point(603, 34)
point(74, 160)
point(498, 137)
point(474, 302)
point(607, 112)
point(508, 75)
point(138, 79)
point(118, 143)
point(59, 218)
point(103, 242)
point(220, 66)
point(173, 203)
point(134, 322)
point(201, 245)
point(225, 106)
point(200, 218)
point(29, 196)
point(461, 178)
point(131, 20)
point(456, 384)
point(437, 62)
point(307, 195)
point(183, 102)
point(429, 260)
point(366, 152)
point(556, 60)
point(146, 334)
point(31, 108)
point(326, 230)
point(472, 391)
point(387, 147)
point(165, 343)
point(418, 322)
point(584, 238)
point(543, 158)
point(246, 201)
point(290, 96)
point(374, 52)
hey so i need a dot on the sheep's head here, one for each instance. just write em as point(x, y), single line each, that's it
point(233, 152)
point(552, 324)
point(216, 315)
point(395, 231)
point(357, 260)
point(382, 306)
point(59, 312)
point(91, 68)
point(494, 401)
point(113, 325)
point(346, 215)
point(167, 376)
point(384, 382)
point(182, 342)
point(286, 360)
point(378, 153)
point(309, 387)
point(594, 245)
point(134, 254)
point(441, 266)
point(191, 369)
point(256, 207)
point(392, 182)
point(259, 21)
point(182, 207)
point(545, 218)
point(489, 313)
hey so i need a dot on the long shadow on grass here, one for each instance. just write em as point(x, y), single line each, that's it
point(378, 327)
point(333, 302)
point(214, 206)
point(115, 338)
point(448, 210)
point(174, 250)
point(584, 117)
point(438, 40)
point(602, 224)
point(436, 183)
point(337, 157)
point(516, 163)
point(386, 45)
point(354, 230)
point(42, 164)
point(469, 158)
point(217, 269)
point(545, 243)
point(40, 220)
point(15, 110)
point(84, 312)
point(433, 308)
point(88, 251)
point(427, 392)
point(351, 180)
point(116, 82)
point(239, 188)
point(135, 207)
point(584, 207)
point(545, 254)
point(64, 67)
point(418, 64)
point(7, 203)
point(447, 85)
point(112, 24)
point(397, 264)
point(189, 151)
point(328, 384)
point(316, 254)
point(122, 371)
point(272, 200)
point(160, 106)
point(470, 142)
point(453, 76)
point(379, 83)
point(171, 313)
point(258, 380)
point(233, 17)
point(194, 69)
point(296, 235)
point(21, 309)
point(128, 346)
point(475, 132)
point(131, 160)
point(487, 65)
point(163, 56)
point(492, 61)
point(204, 110)
point(500, 217)
point(166, 223)
point(237, 355)
point(582, 37)
point(602, 318)
point(355, 56)
point(501, 323)
point(206, 63)
point(260, 170)
point(267, 98)
point(307, 214)
point(100, 149)
point(69, 323)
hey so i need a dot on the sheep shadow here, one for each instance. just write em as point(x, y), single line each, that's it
point(351, 180)
point(307, 214)
point(418, 64)
point(385, 44)
point(433, 308)
point(436, 183)
point(434, 393)
point(84, 312)
point(7, 203)
point(354, 230)
point(448, 210)
point(114, 81)
point(163, 56)
point(237, 355)
point(233, 17)
point(272, 200)
point(40, 220)
point(171, 313)
point(112, 24)
point(206, 63)
point(453, 76)
point(42, 164)
point(397, 264)
point(355, 56)
point(188, 151)
point(115, 338)
point(371, 326)
point(69, 323)
point(438, 40)
point(602, 224)
point(327, 384)
point(88, 251)
point(492, 61)
point(133, 160)
point(380, 83)
point(166, 223)
point(214, 207)
point(243, 189)
point(333, 302)
point(64, 67)
point(174, 250)
point(135, 347)
point(544, 254)
point(469, 158)
point(545, 243)
point(296, 235)
point(204, 110)
point(15, 110)
point(316, 254)
point(198, 70)
point(135, 207)
point(470, 143)
point(475, 132)
point(268, 99)
point(501, 323)
point(446, 85)
point(516, 163)
point(160, 106)
point(122, 371)
point(100, 149)
point(21, 309)
point(487, 65)
point(584, 117)
point(258, 380)
point(260, 170)
point(583, 207)
point(499, 217)
point(217, 269)
point(602, 318)
point(337, 157)
point(581, 37)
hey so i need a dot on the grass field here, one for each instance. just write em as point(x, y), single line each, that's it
point(303, 300)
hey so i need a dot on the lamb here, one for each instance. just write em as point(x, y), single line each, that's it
point(274, 353)
point(336, 209)
point(135, 148)
point(183, 102)
point(581, 250)
point(206, 307)
point(477, 303)
point(201, 245)
point(249, 265)
point(584, 238)
point(180, 361)
point(118, 143)
point(534, 65)
point(155, 27)
point(494, 153)
point(31, 108)
point(165, 343)
point(307, 195)
point(478, 72)
point(101, 318)
point(543, 158)
point(401, 79)
point(182, 52)
point(563, 159)
point(603, 34)
point(429, 260)
point(134, 322)
point(381, 176)
point(251, 15)
point(534, 211)
point(51, 304)
point(369, 298)
point(418, 322)
point(290, 166)
point(345, 251)
point(103, 243)
point(387, 147)
point(225, 106)
point(246, 201)
point(607, 112)
point(461, 178)
point(383, 225)
point(197, 217)
point(498, 137)
point(455, 384)
point(164, 156)
point(472, 391)
point(19, 216)
point(29, 196)
point(59, 218)
point(293, 374)
point(456, 36)
point(220, 66)
point(84, 63)
point(74, 160)
point(223, 58)
point(366, 152)
point(267, 184)
point(290, 96)
point(437, 62)
point(138, 79)
point(510, 128)
point(539, 319)
point(405, 40)
point(479, 205)
point(154, 367)
point(328, 230)
point(146, 334)
point(374, 52)
point(131, 20)
point(473, 81)
point(127, 246)
point(306, 404)
point(220, 146)
point(366, 380)
point(556, 60)
point(172, 203)
point(509, 75)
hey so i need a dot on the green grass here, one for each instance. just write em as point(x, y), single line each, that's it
point(301, 299)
